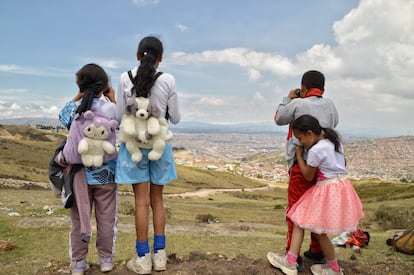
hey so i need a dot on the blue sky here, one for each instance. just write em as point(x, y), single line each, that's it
point(233, 60)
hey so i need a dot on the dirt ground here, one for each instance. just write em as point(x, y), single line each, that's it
point(199, 263)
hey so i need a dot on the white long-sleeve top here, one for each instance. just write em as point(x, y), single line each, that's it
point(163, 95)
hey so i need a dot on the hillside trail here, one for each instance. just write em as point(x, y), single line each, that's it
point(202, 193)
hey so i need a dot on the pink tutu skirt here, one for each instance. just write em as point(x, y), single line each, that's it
point(329, 207)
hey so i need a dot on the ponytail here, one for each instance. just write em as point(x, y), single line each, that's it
point(333, 137)
point(150, 51)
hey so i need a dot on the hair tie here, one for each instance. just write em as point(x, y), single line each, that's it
point(93, 87)
point(322, 131)
point(149, 53)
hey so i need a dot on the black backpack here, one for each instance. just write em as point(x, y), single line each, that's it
point(62, 186)
point(56, 171)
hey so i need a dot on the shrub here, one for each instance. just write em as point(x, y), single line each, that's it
point(127, 208)
point(207, 218)
point(394, 217)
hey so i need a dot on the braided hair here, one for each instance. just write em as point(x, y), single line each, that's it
point(91, 80)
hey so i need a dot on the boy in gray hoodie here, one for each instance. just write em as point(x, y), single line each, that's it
point(306, 100)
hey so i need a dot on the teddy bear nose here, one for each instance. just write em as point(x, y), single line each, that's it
point(142, 115)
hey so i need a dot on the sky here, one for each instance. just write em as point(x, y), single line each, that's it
point(233, 60)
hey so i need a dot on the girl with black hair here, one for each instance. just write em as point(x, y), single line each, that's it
point(93, 187)
point(148, 177)
point(331, 206)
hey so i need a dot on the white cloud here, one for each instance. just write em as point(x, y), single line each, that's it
point(114, 63)
point(181, 27)
point(244, 57)
point(16, 69)
point(254, 74)
point(145, 2)
point(258, 96)
point(16, 110)
point(369, 70)
point(321, 57)
point(210, 101)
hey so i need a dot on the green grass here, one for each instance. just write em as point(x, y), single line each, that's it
point(248, 217)
point(27, 156)
point(253, 217)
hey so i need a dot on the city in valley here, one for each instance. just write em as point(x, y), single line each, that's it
point(262, 155)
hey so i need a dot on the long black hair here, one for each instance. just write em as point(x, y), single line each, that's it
point(306, 123)
point(150, 51)
point(91, 80)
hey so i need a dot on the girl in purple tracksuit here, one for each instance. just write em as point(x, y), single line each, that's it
point(92, 187)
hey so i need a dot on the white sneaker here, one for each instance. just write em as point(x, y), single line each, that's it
point(79, 267)
point(140, 265)
point(280, 261)
point(323, 269)
point(159, 260)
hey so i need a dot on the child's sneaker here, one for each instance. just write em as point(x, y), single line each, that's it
point(79, 267)
point(280, 261)
point(323, 269)
point(159, 260)
point(300, 266)
point(106, 264)
point(140, 265)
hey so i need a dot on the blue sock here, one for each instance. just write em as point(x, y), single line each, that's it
point(142, 248)
point(159, 242)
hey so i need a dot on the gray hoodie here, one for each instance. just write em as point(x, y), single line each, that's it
point(321, 108)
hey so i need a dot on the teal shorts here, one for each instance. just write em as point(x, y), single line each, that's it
point(160, 172)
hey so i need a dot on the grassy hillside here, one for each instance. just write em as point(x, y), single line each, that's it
point(25, 152)
point(227, 223)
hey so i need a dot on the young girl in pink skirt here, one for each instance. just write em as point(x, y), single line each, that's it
point(331, 206)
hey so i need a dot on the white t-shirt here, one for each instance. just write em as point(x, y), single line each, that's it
point(330, 162)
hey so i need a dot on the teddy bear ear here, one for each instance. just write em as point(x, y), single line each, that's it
point(89, 115)
point(130, 105)
point(154, 110)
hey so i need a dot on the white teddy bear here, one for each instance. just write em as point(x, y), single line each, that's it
point(95, 144)
point(141, 127)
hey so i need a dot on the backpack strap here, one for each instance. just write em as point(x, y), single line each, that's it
point(132, 78)
point(157, 75)
point(155, 78)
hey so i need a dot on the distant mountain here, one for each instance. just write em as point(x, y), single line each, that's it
point(182, 127)
point(364, 133)
point(247, 128)
point(31, 121)
point(203, 127)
